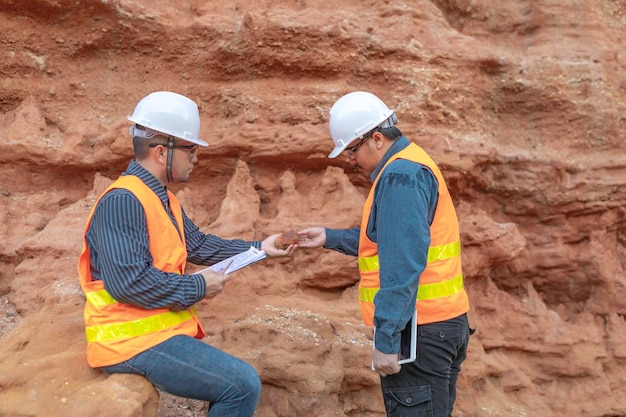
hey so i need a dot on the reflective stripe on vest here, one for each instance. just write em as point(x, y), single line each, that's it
point(101, 298)
point(424, 291)
point(435, 253)
point(135, 328)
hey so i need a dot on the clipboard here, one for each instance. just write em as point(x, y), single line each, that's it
point(237, 262)
point(408, 342)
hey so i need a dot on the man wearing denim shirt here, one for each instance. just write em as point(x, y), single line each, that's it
point(409, 256)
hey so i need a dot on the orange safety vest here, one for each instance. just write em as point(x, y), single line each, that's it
point(117, 331)
point(440, 294)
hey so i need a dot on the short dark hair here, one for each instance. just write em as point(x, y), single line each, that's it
point(141, 146)
point(392, 132)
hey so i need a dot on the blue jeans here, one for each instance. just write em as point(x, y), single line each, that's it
point(188, 367)
point(427, 387)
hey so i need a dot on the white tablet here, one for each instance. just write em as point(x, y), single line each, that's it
point(408, 342)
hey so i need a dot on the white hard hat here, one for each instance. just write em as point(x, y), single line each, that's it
point(167, 113)
point(354, 115)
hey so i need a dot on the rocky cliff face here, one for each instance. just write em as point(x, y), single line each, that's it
point(522, 103)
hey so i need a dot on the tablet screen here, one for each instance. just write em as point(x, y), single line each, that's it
point(408, 341)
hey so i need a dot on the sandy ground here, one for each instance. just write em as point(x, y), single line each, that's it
point(171, 406)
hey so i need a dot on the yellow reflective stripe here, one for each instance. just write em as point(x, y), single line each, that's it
point(435, 253)
point(126, 330)
point(367, 294)
point(424, 291)
point(100, 298)
point(369, 264)
point(443, 252)
point(440, 289)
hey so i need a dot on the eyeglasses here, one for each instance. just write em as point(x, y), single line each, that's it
point(193, 149)
point(352, 149)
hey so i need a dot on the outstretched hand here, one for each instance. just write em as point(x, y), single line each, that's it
point(269, 247)
point(312, 237)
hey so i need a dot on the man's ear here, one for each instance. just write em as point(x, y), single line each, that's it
point(159, 154)
point(379, 138)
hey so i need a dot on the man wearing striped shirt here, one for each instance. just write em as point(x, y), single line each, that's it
point(139, 312)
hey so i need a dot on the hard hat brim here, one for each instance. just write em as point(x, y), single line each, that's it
point(335, 153)
point(198, 141)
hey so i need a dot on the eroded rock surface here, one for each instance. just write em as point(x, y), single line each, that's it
point(523, 105)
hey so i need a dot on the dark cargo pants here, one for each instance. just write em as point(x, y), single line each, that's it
point(427, 387)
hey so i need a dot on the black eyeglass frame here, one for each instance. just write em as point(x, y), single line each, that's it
point(352, 149)
point(188, 147)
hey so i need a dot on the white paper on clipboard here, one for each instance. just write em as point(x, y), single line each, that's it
point(235, 263)
point(408, 342)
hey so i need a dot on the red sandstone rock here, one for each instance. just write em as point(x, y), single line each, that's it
point(521, 104)
point(286, 239)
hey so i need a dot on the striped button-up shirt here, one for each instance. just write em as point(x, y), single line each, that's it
point(120, 250)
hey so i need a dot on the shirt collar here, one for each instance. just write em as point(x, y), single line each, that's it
point(134, 168)
point(399, 144)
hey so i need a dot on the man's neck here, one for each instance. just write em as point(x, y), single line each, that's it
point(156, 171)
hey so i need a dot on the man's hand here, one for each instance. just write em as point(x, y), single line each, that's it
point(385, 363)
point(313, 237)
point(269, 247)
point(214, 282)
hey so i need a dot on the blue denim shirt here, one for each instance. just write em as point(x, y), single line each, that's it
point(404, 205)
